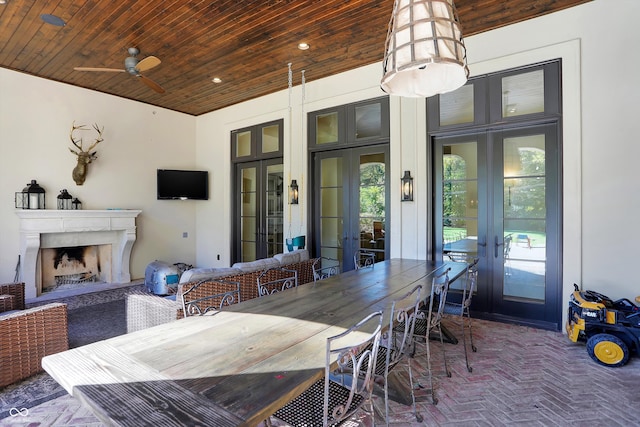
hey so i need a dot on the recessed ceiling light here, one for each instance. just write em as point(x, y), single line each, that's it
point(216, 80)
point(53, 20)
point(303, 46)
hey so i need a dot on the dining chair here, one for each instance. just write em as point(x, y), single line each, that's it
point(324, 267)
point(364, 259)
point(334, 399)
point(276, 279)
point(396, 343)
point(431, 321)
point(196, 303)
point(461, 309)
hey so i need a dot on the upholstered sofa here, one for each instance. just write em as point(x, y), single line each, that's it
point(145, 310)
point(26, 336)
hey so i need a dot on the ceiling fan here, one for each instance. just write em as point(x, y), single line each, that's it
point(133, 66)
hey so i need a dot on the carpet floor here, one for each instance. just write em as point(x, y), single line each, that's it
point(87, 324)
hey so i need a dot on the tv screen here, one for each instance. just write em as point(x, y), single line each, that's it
point(183, 184)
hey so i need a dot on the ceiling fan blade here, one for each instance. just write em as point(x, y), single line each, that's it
point(111, 70)
point(153, 85)
point(148, 63)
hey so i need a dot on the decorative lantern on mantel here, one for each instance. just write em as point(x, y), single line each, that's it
point(76, 204)
point(64, 200)
point(31, 197)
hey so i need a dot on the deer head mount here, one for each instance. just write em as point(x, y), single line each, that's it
point(85, 157)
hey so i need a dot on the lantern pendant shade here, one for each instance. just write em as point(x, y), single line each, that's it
point(424, 52)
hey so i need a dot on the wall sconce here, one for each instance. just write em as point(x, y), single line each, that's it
point(77, 204)
point(31, 197)
point(65, 200)
point(424, 51)
point(293, 192)
point(407, 187)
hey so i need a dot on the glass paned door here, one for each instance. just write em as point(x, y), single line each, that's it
point(350, 203)
point(497, 200)
point(372, 187)
point(526, 231)
point(248, 203)
point(275, 194)
point(259, 227)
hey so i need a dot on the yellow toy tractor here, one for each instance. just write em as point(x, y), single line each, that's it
point(611, 329)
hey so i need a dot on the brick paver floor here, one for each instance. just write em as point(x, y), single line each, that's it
point(521, 377)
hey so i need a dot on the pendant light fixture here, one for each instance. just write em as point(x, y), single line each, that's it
point(424, 51)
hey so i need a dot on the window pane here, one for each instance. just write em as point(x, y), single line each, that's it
point(331, 232)
point(270, 139)
point(275, 187)
point(523, 94)
point(327, 128)
point(248, 251)
point(368, 121)
point(243, 144)
point(331, 172)
point(457, 107)
point(524, 156)
point(331, 201)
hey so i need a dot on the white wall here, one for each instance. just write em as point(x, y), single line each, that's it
point(599, 101)
point(35, 121)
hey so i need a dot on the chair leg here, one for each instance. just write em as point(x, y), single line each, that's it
point(434, 400)
point(386, 394)
point(413, 396)
point(444, 355)
point(464, 342)
point(473, 347)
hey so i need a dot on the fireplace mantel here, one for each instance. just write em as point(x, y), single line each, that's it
point(54, 228)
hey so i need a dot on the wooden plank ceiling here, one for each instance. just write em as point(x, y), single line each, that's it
point(246, 43)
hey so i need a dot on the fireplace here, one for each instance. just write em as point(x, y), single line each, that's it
point(74, 248)
point(75, 267)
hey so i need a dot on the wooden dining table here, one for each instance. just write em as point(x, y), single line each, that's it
point(236, 367)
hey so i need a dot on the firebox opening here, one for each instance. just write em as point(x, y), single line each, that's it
point(75, 267)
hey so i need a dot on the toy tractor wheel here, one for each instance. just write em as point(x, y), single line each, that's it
point(608, 350)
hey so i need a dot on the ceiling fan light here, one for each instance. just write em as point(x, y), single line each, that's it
point(424, 51)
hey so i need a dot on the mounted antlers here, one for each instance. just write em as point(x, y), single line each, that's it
point(84, 156)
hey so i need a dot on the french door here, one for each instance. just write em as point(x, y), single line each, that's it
point(259, 209)
point(497, 199)
point(350, 199)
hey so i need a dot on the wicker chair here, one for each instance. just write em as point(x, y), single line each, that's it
point(26, 336)
point(11, 297)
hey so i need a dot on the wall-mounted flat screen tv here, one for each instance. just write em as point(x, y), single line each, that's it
point(183, 184)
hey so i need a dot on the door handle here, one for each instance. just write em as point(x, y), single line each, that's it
point(482, 244)
point(497, 246)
